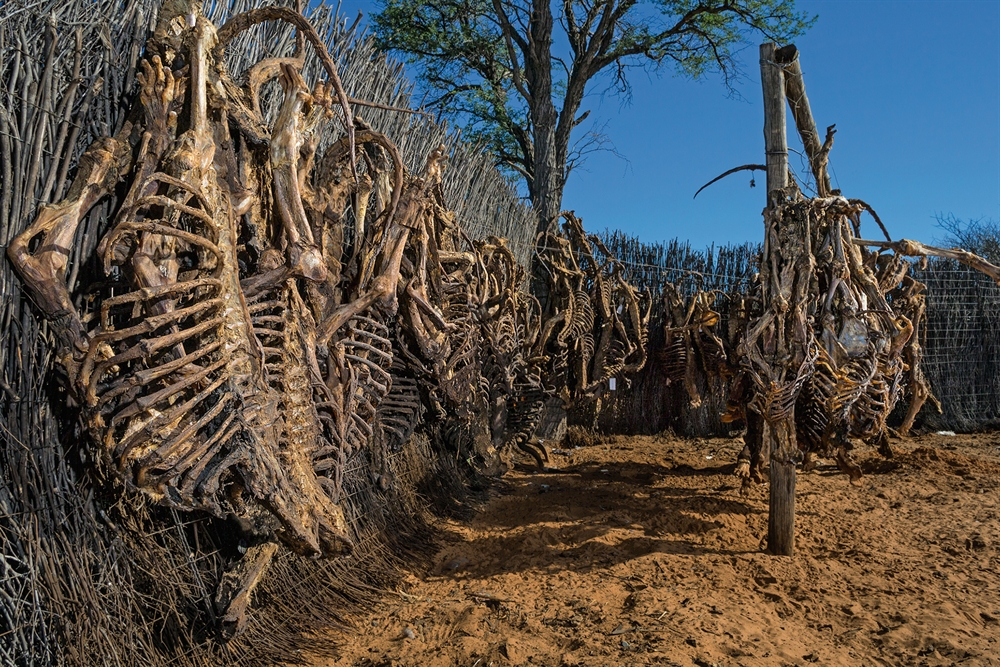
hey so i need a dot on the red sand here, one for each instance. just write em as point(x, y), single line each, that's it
point(643, 551)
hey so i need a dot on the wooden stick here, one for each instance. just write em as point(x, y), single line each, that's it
point(64, 111)
point(781, 505)
point(44, 111)
point(795, 91)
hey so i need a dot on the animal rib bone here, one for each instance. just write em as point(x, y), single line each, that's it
point(190, 394)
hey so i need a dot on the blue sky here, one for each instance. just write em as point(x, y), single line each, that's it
point(913, 86)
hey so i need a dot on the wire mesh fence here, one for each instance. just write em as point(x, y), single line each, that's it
point(962, 351)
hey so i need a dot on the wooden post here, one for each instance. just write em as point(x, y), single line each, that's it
point(781, 499)
point(779, 433)
point(795, 90)
point(775, 143)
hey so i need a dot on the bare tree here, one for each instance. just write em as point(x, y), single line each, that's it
point(981, 236)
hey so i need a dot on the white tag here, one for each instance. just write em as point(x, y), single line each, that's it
point(611, 384)
point(620, 306)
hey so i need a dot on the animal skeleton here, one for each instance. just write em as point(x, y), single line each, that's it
point(242, 347)
point(594, 324)
point(246, 346)
point(858, 321)
point(690, 335)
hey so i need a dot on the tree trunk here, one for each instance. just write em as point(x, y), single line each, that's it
point(547, 177)
point(546, 196)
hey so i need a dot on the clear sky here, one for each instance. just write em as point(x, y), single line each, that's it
point(912, 85)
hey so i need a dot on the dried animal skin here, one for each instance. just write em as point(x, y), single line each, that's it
point(508, 320)
point(852, 333)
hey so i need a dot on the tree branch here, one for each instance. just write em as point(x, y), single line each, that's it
point(509, 38)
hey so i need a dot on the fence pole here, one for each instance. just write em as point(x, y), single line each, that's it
point(772, 80)
point(779, 435)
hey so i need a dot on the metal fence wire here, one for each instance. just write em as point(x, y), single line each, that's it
point(962, 353)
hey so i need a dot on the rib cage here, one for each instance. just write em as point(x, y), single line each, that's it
point(676, 357)
point(594, 324)
point(203, 377)
point(358, 380)
point(173, 384)
point(400, 410)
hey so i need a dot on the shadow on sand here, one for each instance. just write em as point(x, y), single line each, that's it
point(595, 515)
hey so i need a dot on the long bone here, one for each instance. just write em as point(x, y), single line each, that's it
point(382, 288)
point(246, 20)
point(44, 269)
point(305, 257)
point(917, 249)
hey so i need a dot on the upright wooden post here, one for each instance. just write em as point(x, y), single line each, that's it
point(772, 80)
point(779, 433)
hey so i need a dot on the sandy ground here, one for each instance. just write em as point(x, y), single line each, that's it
point(644, 551)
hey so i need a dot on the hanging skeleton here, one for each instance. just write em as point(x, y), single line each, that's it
point(240, 350)
point(693, 346)
point(838, 337)
point(437, 330)
point(595, 325)
point(866, 314)
point(509, 321)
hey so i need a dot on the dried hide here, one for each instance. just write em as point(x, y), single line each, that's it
point(242, 346)
point(692, 343)
point(841, 340)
